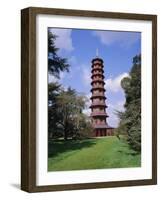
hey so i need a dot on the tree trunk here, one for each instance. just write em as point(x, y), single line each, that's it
point(65, 133)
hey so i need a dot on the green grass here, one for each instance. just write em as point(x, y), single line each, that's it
point(107, 152)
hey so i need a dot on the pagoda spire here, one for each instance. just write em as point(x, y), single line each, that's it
point(97, 52)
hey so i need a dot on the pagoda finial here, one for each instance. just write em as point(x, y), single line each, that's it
point(97, 52)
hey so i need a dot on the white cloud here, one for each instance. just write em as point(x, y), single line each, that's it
point(53, 79)
point(64, 39)
point(119, 106)
point(114, 85)
point(87, 111)
point(124, 39)
point(113, 119)
point(86, 76)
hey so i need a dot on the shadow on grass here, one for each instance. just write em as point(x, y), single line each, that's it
point(59, 146)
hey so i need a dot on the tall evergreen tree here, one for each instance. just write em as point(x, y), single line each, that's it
point(56, 64)
point(131, 119)
point(53, 115)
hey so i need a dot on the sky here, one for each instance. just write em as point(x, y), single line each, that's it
point(117, 50)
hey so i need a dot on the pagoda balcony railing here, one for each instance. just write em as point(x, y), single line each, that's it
point(98, 93)
point(98, 87)
point(100, 124)
point(97, 84)
point(97, 70)
point(98, 101)
point(98, 104)
point(94, 114)
point(97, 80)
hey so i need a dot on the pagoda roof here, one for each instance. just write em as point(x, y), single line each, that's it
point(97, 95)
point(97, 59)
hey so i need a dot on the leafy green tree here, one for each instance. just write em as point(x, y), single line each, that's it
point(85, 129)
point(130, 120)
point(70, 106)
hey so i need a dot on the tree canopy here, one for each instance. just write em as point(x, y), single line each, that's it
point(130, 120)
point(56, 64)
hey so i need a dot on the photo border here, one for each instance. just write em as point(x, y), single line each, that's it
point(28, 98)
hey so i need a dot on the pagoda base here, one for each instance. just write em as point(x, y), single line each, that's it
point(102, 132)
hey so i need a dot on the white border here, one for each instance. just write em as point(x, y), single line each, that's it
point(43, 177)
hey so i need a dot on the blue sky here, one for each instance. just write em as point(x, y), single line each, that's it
point(116, 49)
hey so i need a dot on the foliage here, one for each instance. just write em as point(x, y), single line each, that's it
point(130, 120)
point(70, 119)
point(56, 64)
point(53, 116)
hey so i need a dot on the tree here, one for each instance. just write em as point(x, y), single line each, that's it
point(65, 117)
point(130, 120)
point(70, 106)
point(56, 64)
point(53, 115)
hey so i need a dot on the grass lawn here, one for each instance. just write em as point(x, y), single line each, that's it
point(107, 152)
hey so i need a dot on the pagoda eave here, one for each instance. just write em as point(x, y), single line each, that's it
point(99, 114)
point(98, 96)
point(97, 74)
point(97, 59)
point(98, 88)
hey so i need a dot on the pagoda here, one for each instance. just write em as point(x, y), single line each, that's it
point(98, 103)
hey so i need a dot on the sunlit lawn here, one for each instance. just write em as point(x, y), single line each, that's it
point(107, 152)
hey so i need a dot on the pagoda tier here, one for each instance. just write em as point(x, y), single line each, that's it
point(98, 105)
point(94, 82)
point(98, 95)
point(97, 74)
point(97, 70)
point(100, 88)
point(99, 114)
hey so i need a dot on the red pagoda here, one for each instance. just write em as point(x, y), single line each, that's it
point(98, 105)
